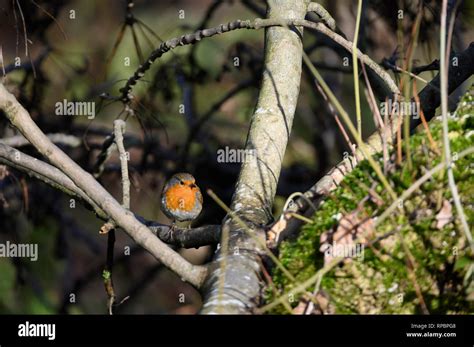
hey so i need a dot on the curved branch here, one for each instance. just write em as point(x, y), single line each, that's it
point(323, 13)
point(168, 45)
point(188, 39)
point(376, 68)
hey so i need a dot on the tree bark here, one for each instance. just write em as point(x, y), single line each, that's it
point(236, 288)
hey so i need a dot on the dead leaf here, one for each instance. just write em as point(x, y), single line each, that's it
point(274, 233)
point(444, 215)
point(341, 239)
point(300, 309)
point(320, 304)
point(376, 198)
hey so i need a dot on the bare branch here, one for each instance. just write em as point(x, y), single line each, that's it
point(323, 13)
point(119, 130)
point(126, 96)
point(20, 141)
point(109, 227)
point(430, 96)
point(46, 173)
point(186, 238)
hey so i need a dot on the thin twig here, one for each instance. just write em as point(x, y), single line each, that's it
point(355, 70)
point(119, 130)
point(432, 142)
point(336, 118)
point(411, 267)
point(52, 17)
point(46, 173)
point(345, 117)
point(24, 27)
point(378, 119)
point(107, 273)
point(444, 54)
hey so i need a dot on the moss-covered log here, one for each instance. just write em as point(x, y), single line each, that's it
point(416, 260)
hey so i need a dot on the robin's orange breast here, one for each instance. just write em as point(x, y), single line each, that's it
point(180, 197)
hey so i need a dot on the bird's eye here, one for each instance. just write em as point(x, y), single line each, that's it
point(181, 183)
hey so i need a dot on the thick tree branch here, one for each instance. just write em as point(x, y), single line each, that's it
point(268, 135)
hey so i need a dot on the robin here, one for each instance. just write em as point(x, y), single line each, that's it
point(181, 199)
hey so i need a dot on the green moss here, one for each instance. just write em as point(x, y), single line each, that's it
point(391, 277)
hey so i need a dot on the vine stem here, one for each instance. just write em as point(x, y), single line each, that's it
point(444, 53)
